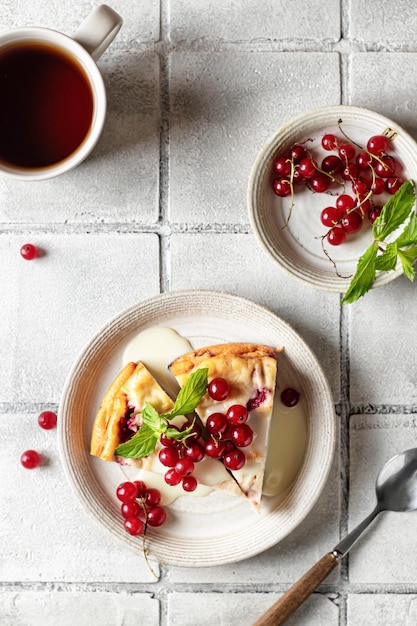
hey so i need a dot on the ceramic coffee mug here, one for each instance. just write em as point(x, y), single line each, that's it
point(52, 96)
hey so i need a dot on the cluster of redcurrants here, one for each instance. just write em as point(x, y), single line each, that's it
point(140, 506)
point(222, 438)
point(371, 171)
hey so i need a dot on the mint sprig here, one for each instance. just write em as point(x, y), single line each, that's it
point(154, 424)
point(384, 256)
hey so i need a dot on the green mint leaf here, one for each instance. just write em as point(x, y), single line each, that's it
point(141, 444)
point(191, 394)
point(364, 276)
point(394, 212)
point(409, 235)
point(151, 418)
point(388, 259)
point(408, 258)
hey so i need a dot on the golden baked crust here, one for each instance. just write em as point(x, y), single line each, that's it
point(250, 369)
point(128, 393)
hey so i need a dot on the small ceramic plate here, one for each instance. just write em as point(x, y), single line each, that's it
point(218, 528)
point(298, 247)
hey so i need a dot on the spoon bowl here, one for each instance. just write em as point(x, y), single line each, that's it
point(396, 486)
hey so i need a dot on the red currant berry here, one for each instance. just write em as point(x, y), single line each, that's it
point(169, 442)
point(298, 153)
point(127, 491)
point(307, 167)
point(363, 160)
point(378, 186)
point(196, 429)
point(336, 236)
point(47, 420)
point(156, 516)
point(330, 216)
point(172, 478)
point(152, 497)
point(290, 397)
point(195, 451)
point(218, 389)
point(130, 509)
point(234, 460)
point(392, 184)
point(360, 188)
point(347, 152)
point(168, 456)
point(184, 467)
point(350, 172)
point(215, 449)
point(134, 526)
point(298, 177)
point(282, 167)
point(345, 203)
point(374, 213)
point(237, 414)
point(282, 187)
point(216, 423)
point(378, 144)
point(141, 488)
point(241, 435)
point(352, 222)
point(189, 483)
point(320, 182)
point(29, 252)
point(331, 164)
point(329, 142)
point(385, 166)
point(30, 459)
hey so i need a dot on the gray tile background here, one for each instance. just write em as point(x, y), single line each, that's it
point(194, 89)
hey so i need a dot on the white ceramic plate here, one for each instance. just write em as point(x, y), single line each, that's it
point(218, 528)
point(297, 248)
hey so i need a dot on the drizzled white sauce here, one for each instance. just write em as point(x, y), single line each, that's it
point(157, 347)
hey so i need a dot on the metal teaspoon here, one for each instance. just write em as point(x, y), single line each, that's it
point(396, 490)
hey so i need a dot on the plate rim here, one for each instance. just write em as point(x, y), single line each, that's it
point(335, 285)
point(193, 557)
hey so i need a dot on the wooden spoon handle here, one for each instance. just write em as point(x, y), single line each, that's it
point(291, 600)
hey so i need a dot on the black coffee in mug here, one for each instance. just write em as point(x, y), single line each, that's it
point(46, 105)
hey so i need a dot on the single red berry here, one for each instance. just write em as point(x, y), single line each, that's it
point(156, 516)
point(234, 460)
point(152, 497)
point(237, 414)
point(330, 216)
point(347, 152)
point(336, 236)
point(385, 167)
point(298, 153)
point(141, 488)
point(392, 184)
point(29, 251)
point(130, 509)
point(378, 186)
point(216, 423)
point(329, 142)
point(363, 160)
point(127, 491)
point(282, 187)
point(134, 526)
point(184, 467)
point(282, 167)
point(30, 459)
point(350, 172)
point(196, 428)
point(215, 449)
point(298, 177)
point(168, 456)
point(345, 203)
point(331, 164)
point(169, 442)
point(172, 478)
point(241, 435)
point(195, 451)
point(47, 420)
point(189, 483)
point(218, 389)
point(352, 222)
point(290, 397)
point(307, 167)
point(378, 144)
point(320, 182)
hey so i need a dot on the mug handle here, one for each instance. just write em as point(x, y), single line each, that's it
point(98, 30)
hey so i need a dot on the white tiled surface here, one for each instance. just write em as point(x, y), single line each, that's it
point(194, 89)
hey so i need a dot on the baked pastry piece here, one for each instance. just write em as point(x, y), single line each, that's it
point(250, 370)
point(118, 417)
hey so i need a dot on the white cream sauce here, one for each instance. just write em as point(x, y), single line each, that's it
point(157, 347)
